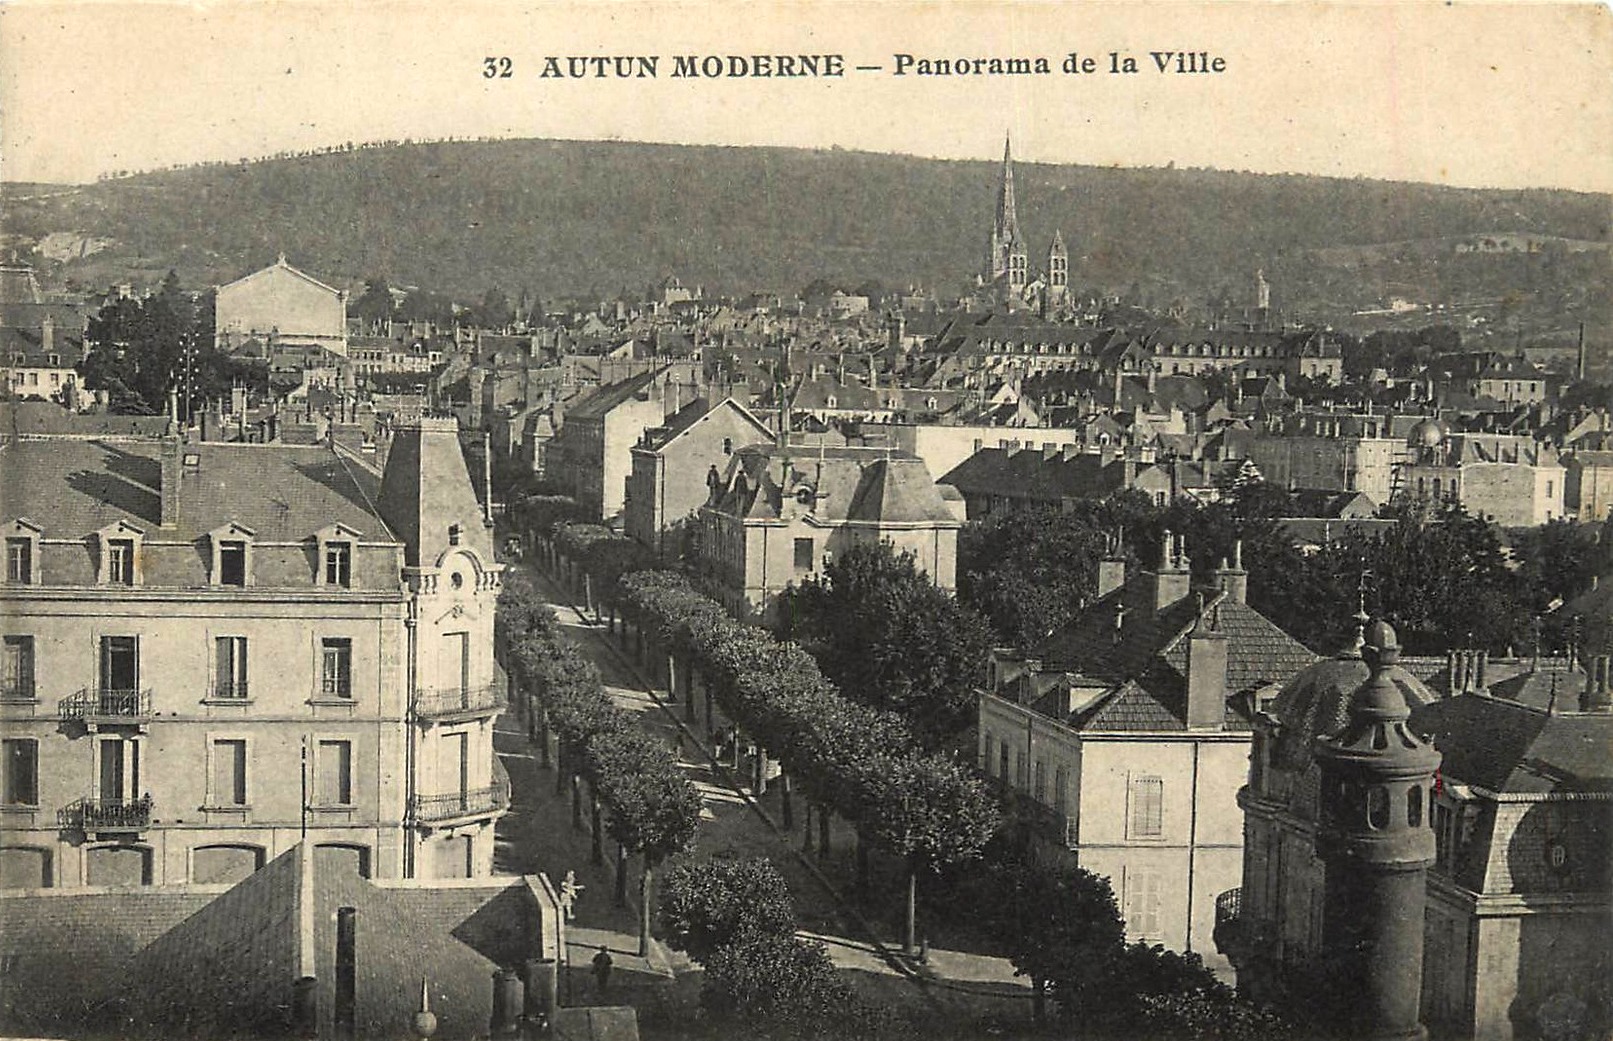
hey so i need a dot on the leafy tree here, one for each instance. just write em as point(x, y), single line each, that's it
point(763, 978)
point(884, 635)
point(1056, 917)
point(374, 306)
point(494, 310)
point(707, 904)
point(138, 351)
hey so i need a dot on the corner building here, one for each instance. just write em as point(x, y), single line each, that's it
point(211, 650)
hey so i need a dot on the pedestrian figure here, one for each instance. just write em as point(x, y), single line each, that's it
point(602, 965)
point(569, 888)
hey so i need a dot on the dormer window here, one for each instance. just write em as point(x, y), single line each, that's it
point(338, 563)
point(232, 555)
point(22, 553)
point(336, 546)
point(119, 564)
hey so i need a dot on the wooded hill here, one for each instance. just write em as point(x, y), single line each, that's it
point(561, 218)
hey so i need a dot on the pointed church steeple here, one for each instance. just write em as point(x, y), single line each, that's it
point(1007, 259)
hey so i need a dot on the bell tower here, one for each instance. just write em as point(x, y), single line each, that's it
point(1376, 843)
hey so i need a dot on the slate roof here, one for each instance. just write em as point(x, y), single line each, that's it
point(855, 484)
point(47, 417)
point(73, 487)
point(1147, 665)
point(1028, 473)
point(601, 401)
point(1510, 747)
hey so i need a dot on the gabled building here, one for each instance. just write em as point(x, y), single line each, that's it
point(670, 479)
point(212, 651)
point(592, 452)
point(282, 306)
point(778, 513)
point(1126, 734)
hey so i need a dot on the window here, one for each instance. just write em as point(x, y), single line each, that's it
point(229, 675)
point(727, 446)
point(120, 562)
point(338, 563)
point(333, 763)
point(17, 682)
point(1061, 789)
point(20, 785)
point(229, 772)
point(988, 755)
point(336, 668)
point(1040, 787)
point(232, 563)
point(1142, 903)
point(803, 554)
point(120, 663)
point(19, 560)
point(1147, 808)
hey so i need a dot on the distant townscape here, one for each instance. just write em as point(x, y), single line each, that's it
point(885, 657)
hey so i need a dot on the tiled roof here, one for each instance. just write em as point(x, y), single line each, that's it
point(1149, 660)
point(897, 491)
point(72, 487)
point(47, 417)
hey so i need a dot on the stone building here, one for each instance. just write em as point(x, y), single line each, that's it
point(1127, 732)
point(1517, 907)
point(778, 513)
point(283, 307)
point(214, 650)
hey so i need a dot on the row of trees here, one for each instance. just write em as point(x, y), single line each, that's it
point(653, 809)
point(861, 762)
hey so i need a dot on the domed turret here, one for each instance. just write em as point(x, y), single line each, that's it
point(1429, 433)
point(1376, 842)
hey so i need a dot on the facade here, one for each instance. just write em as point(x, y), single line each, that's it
point(778, 514)
point(1510, 479)
point(1127, 731)
point(1331, 462)
point(282, 306)
point(592, 453)
point(1516, 904)
point(1589, 476)
point(190, 628)
point(668, 484)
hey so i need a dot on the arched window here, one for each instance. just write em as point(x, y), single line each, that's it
point(1414, 807)
point(1377, 807)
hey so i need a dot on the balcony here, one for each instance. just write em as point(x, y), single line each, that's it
point(107, 815)
point(449, 703)
point(458, 806)
point(96, 707)
point(1229, 931)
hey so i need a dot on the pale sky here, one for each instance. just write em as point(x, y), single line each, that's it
point(1489, 95)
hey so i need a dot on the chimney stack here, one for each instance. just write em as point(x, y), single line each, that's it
point(47, 333)
point(1233, 579)
point(1171, 581)
point(1206, 672)
point(168, 486)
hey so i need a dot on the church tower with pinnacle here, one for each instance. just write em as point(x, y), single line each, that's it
point(1376, 844)
point(1006, 258)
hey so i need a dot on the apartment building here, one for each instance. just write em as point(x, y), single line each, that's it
point(213, 651)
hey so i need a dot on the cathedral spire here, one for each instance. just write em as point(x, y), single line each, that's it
point(1007, 224)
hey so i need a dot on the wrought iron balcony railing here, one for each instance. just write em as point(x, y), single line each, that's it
point(437, 702)
point(474, 802)
point(1228, 906)
point(89, 814)
point(98, 705)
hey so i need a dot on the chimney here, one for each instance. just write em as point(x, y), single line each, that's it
point(1111, 574)
point(168, 490)
point(1234, 580)
point(1171, 581)
point(47, 334)
point(1206, 673)
point(238, 399)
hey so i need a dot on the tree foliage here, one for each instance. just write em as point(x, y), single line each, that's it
point(706, 904)
point(889, 638)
